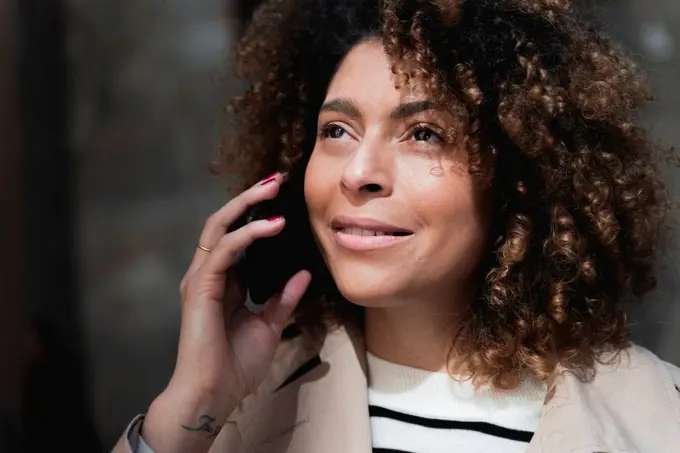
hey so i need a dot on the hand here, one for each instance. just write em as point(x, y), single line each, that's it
point(225, 351)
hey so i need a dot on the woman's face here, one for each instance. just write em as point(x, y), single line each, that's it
point(395, 213)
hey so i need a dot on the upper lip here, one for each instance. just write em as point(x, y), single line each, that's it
point(366, 223)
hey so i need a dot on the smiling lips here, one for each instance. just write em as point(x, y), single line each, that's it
point(364, 234)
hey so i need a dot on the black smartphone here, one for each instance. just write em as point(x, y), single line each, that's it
point(270, 262)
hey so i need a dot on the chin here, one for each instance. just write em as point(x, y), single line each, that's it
point(369, 288)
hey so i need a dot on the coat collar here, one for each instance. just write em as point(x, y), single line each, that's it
point(326, 409)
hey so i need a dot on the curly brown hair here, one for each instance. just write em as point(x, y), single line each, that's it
point(546, 108)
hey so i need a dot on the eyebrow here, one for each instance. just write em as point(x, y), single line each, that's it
point(411, 108)
point(347, 107)
point(344, 106)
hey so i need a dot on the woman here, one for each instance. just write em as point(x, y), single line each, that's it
point(483, 198)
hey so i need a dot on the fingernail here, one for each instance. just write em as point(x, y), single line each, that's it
point(275, 219)
point(269, 179)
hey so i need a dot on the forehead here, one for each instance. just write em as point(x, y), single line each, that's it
point(365, 76)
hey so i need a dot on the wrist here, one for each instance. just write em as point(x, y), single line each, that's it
point(185, 421)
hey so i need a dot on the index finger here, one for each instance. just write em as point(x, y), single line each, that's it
point(231, 245)
point(217, 224)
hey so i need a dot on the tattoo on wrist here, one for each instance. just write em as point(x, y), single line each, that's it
point(206, 424)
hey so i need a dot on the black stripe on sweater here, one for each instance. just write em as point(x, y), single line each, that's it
point(389, 450)
point(481, 427)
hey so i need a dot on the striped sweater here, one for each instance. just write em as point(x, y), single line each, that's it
point(417, 411)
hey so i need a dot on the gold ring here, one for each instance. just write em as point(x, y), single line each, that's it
point(205, 249)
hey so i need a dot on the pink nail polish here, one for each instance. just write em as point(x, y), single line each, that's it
point(269, 179)
point(275, 219)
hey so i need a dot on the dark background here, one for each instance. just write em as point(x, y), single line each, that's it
point(109, 115)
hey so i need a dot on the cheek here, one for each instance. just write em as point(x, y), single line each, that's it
point(456, 214)
point(318, 186)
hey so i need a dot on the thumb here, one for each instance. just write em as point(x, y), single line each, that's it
point(280, 307)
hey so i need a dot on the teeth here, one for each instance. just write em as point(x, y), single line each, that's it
point(362, 232)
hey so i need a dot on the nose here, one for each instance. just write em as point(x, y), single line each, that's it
point(368, 173)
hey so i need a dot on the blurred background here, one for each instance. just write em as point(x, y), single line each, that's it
point(109, 116)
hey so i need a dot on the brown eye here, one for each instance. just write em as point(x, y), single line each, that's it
point(424, 134)
point(333, 131)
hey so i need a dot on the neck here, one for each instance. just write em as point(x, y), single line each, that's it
point(414, 334)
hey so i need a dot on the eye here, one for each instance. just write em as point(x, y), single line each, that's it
point(425, 134)
point(333, 131)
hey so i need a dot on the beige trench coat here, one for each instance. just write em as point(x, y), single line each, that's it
point(630, 407)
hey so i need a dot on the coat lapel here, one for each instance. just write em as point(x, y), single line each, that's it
point(323, 410)
point(565, 427)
